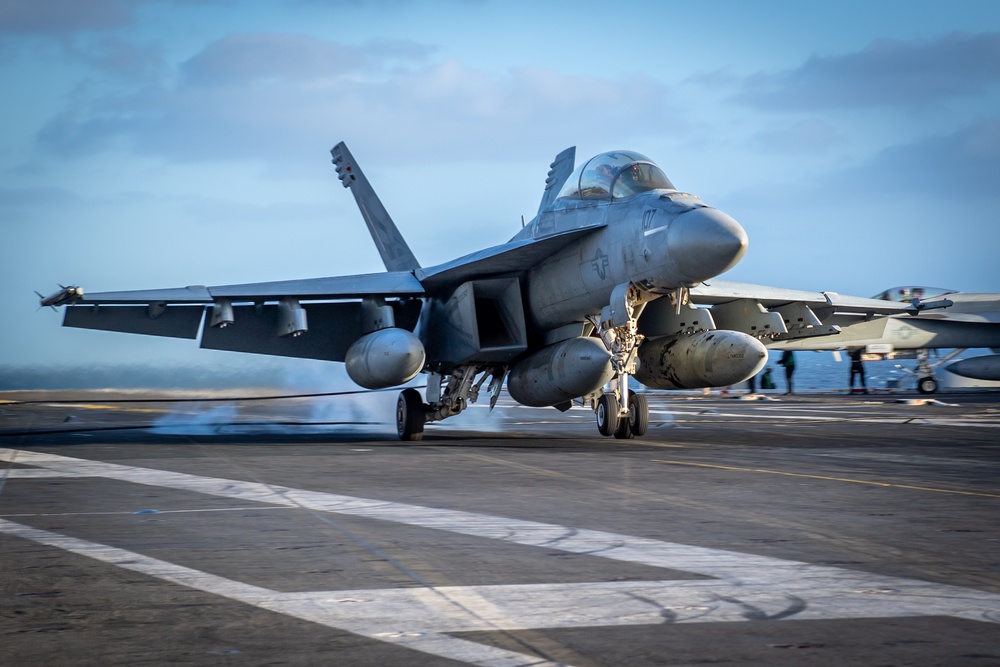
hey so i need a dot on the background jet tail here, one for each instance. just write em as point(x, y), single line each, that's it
point(396, 255)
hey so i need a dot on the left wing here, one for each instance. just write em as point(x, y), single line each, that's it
point(784, 314)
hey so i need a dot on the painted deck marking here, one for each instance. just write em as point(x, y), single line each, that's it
point(745, 586)
point(827, 478)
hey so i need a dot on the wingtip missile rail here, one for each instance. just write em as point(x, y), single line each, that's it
point(66, 295)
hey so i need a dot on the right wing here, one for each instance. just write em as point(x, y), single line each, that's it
point(784, 314)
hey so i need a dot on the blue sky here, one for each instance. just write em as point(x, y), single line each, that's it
point(161, 143)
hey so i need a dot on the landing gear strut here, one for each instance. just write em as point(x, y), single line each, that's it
point(447, 395)
point(927, 382)
point(622, 413)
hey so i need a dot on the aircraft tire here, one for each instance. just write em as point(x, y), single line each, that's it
point(607, 414)
point(624, 430)
point(638, 413)
point(927, 385)
point(410, 415)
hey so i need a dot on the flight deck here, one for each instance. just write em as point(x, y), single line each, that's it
point(817, 529)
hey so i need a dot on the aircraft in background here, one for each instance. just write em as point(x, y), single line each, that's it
point(972, 320)
point(600, 286)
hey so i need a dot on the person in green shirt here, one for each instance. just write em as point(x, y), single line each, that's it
point(788, 361)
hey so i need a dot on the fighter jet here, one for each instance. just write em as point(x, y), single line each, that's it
point(595, 289)
point(969, 320)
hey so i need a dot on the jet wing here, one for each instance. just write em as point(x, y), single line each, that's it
point(272, 321)
point(975, 318)
point(723, 291)
point(972, 307)
point(396, 283)
point(783, 314)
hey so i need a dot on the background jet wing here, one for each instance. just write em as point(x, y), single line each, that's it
point(398, 283)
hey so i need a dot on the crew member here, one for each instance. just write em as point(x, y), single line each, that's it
point(857, 367)
point(788, 361)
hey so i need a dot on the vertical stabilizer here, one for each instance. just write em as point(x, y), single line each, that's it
point(560, 169)
point(396, 255)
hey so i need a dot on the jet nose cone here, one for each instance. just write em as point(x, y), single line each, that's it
point(706, 242)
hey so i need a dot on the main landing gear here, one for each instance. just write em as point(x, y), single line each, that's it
point(927, 382)
point(410, 415)
point(927, 385)
point(622, 413)
point(447, 395)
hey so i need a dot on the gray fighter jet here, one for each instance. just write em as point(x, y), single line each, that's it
point(595, 289)
point(971, 320)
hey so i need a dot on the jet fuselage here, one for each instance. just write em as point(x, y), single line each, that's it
point(659, 240)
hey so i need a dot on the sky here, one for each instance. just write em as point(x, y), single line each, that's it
point(163, 143)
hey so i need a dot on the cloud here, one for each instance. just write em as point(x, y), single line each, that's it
point(62, 18)
point(282, 96)
point(965, 162)
point(57, 17)
point(804, 137)
point(250, 58)
point(961, 167)
point(887, 73)
point(123, 59)
point(20, 205)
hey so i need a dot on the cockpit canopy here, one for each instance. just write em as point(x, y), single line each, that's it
point(908, 294)
point(614, 175)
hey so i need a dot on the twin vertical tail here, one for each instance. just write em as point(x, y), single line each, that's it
point(396, 255)
point(559, 171)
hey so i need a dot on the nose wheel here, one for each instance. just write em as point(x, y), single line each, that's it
point(624, 427)
point(607, 414)
point(622, 413)
point(638, 414)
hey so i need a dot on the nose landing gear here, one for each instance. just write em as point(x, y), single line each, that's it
point(622, 413)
